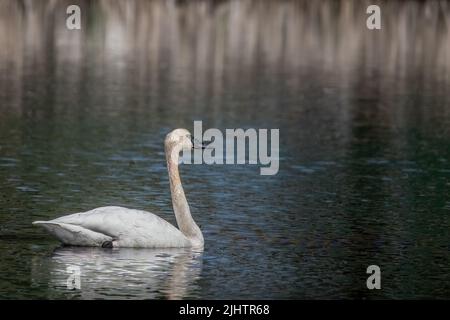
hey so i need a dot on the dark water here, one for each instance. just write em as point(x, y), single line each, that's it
point(364, 120)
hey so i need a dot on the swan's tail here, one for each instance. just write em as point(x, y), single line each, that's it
point(74, 235)
point(40, 222)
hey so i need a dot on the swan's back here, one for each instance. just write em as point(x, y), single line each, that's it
point(126, 227)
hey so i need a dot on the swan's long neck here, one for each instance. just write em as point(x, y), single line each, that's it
point(180, 205)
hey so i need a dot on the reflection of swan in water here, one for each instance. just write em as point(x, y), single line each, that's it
point(123, 273)
point(122, 227)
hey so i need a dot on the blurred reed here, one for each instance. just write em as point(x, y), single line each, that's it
point(213, 38)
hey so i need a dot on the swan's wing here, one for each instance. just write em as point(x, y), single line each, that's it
point(74, 235)
point(128, 227)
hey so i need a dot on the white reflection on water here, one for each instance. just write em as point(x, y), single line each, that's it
point(123, 273)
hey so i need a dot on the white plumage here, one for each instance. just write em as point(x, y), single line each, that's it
point(121, 227)
point(124, 227)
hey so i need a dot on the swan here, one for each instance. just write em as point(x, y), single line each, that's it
point(114, 226)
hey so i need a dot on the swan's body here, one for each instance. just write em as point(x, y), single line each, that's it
point(122, 227)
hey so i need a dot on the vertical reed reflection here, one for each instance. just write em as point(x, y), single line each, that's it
point(217, 40)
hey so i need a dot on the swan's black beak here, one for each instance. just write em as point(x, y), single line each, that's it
point(198, 144)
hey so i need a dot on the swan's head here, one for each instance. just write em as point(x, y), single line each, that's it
point(183, 139)
point(179, 137)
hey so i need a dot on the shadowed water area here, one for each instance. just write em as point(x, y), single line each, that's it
point(364, 120)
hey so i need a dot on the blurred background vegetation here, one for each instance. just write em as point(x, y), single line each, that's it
point(223, 36)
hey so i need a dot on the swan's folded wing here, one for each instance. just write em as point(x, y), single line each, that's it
point(127, 227)
point(73, 234)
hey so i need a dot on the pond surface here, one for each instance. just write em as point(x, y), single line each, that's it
point(364, 122)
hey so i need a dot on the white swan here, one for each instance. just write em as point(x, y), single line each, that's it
point(122, 227)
